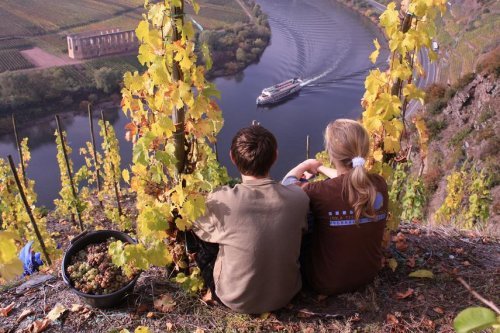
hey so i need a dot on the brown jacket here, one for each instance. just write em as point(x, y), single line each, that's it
point(343, 255)
point(258, 226)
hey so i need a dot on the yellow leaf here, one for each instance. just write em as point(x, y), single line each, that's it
point(391, 144)
point(56, 312)
point(422, 273)
point(393, 264)
point(126, 176)
point(10, 265)
point(374, 54)
point(411, 91)
point(378, 155)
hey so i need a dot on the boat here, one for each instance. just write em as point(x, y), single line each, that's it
point(279, 91)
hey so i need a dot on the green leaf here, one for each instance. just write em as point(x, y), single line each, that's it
point(474, 319)
point(393, 264)
point(422, 273)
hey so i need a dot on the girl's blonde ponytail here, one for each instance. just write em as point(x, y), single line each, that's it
point(347, 143)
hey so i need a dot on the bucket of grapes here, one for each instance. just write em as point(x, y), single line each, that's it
point(87, 269)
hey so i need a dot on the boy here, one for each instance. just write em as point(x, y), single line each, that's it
point(258, 226)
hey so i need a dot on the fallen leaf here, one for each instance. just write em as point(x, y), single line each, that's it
point(308, 330)
point(142, 308)
point(264, 316)
point(207, 298)
point(404, 295)
point(4, 312)
point(466, 263)
point(401, 246)
point(410, 262)
point(393, 264)
point(165, 303)
point(24, 314)
point(422, 273)
point(429, 324)
point(56, 312)
point(150, 315)
point(39, 325)
point(438, 310)
point(199, 330)
point(76, 307)
point(169, 326)
point(391, 319)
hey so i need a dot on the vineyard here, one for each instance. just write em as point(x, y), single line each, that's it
point(11, 60)
point(174, 123)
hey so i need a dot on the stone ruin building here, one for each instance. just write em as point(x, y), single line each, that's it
point(99, 43)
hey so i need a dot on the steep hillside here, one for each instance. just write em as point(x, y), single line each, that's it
point(462, 174)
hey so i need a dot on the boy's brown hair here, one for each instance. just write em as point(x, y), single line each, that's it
point(253, 150)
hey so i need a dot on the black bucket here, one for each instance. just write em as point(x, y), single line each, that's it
point(80, 242)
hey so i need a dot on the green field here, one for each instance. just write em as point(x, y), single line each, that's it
point(467, 30)
point(45, 23)
point(11, 60)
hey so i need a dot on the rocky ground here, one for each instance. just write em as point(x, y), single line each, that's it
point(394, 302)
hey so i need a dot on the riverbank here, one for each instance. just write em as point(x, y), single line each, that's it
point(36, 94)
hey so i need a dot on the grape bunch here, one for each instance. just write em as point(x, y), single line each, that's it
point(92, 271)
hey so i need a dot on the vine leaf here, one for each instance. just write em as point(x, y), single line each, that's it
point(374, 54)
point(474, 319)
point(422, 273)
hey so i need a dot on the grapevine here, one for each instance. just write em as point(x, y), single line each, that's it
point(68, 204)
point(174, 121)
point(15, 219)
point(388, 93)
point(467, 198)
point(111, 174)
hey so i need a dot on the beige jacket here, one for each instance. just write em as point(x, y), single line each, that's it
point(258, 226)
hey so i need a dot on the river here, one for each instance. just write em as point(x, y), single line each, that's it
point(320, 41)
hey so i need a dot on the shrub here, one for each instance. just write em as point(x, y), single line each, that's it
point(437, 106)
point(434, 92)
point(464, 81)
point(435, 127)
point(490, 63)
point(459, 137)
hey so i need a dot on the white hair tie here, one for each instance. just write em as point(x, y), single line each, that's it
point(358, 161)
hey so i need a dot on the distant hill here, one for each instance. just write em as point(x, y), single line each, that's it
point(469, 29)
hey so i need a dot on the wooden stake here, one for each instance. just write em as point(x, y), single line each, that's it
point(178, 114)
point(68, 170)
point(20, 151)
point(96, 163)
point(115, 183)
point(28, 210)
point(307, 147)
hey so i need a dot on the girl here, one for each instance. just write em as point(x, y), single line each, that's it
point(349, 212)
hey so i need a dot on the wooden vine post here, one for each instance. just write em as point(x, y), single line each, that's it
point(178, 114)
point(408, 30)
point(68, 171)
point(174, 123)
point(20, 152)
point(28, 210)
point(115, 183)
point(94, 152)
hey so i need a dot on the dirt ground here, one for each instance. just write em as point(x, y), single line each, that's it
point(394, 302)
point(42, 59)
